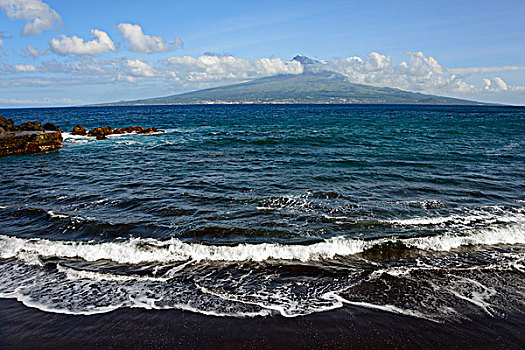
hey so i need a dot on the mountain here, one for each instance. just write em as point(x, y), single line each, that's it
point(312, 86)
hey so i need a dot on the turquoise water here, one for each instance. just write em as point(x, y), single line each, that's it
point(245, 211)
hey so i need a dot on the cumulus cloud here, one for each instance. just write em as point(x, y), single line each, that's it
point(419, 73)
point(495, 84)
point(133, 69)
point(216, 68)
point(37, 14)
point(63, 45)
point(30, 51)
point(143, 43)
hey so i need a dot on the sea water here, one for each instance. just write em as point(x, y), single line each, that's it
point(262, 210)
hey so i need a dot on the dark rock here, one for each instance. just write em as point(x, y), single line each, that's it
point(99, 132)
point(51, 127)
point(31, 126)
point(7, 124)
point(147, 130)
point(128, 129)
point(29, 143)
point(79, 130)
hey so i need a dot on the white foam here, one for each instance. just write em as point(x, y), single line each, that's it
point(74, 138)
point(335, 217)
point(45, 290)
point(512, 234)
point(74, 218)
point(56, 215)
point(475, 293)
point(486, 218)
point(135, 251)
point(149, 250)
point(73, 274)
point(3, 207)
point(387, 308)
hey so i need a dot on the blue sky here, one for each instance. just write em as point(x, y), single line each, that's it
point(63, 52)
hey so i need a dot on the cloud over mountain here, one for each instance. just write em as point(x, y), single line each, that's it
point(207, 68)
point(419, 73)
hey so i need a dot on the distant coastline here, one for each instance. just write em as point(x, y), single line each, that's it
point(322, 87)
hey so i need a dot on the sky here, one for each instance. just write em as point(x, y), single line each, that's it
point(64, 53)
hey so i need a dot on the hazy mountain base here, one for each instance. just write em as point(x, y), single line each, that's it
point(308, 88)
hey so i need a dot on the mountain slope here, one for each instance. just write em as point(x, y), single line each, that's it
point(309, 87)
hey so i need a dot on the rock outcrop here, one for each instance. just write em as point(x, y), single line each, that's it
point(51, 127)
point(31, 126)
point(33, 137)
point(7, 125)
point(101, 133)
point(79, 130)
point(27, 138)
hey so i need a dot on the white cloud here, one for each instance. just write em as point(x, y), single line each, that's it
point(25, 68)
point(30, 51)
point(420, 73)
point(63, 45)
point(495, 84)
point(37, 14)
point(486, 69)
point(139, 68)
point(209, 68)
point(140, 42)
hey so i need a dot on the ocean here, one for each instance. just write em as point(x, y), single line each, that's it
point(256, 213)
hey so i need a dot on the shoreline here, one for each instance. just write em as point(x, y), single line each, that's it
point(345, 328)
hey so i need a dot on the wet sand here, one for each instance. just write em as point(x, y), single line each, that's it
point(347, 328)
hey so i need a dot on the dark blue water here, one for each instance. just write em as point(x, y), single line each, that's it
point(263, 210)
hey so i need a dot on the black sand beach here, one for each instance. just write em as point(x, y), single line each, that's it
point(346, 328)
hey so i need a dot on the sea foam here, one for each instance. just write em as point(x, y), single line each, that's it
point(137, 250)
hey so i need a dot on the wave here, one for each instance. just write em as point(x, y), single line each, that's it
point(79, 138)
point(148, 250)
point(67, 137)
point(485, 218)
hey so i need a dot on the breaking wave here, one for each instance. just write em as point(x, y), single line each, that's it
point(137, 250)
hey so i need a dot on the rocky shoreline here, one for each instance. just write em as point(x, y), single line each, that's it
point(28, 137)
point(101, 133)
point(33, 137)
